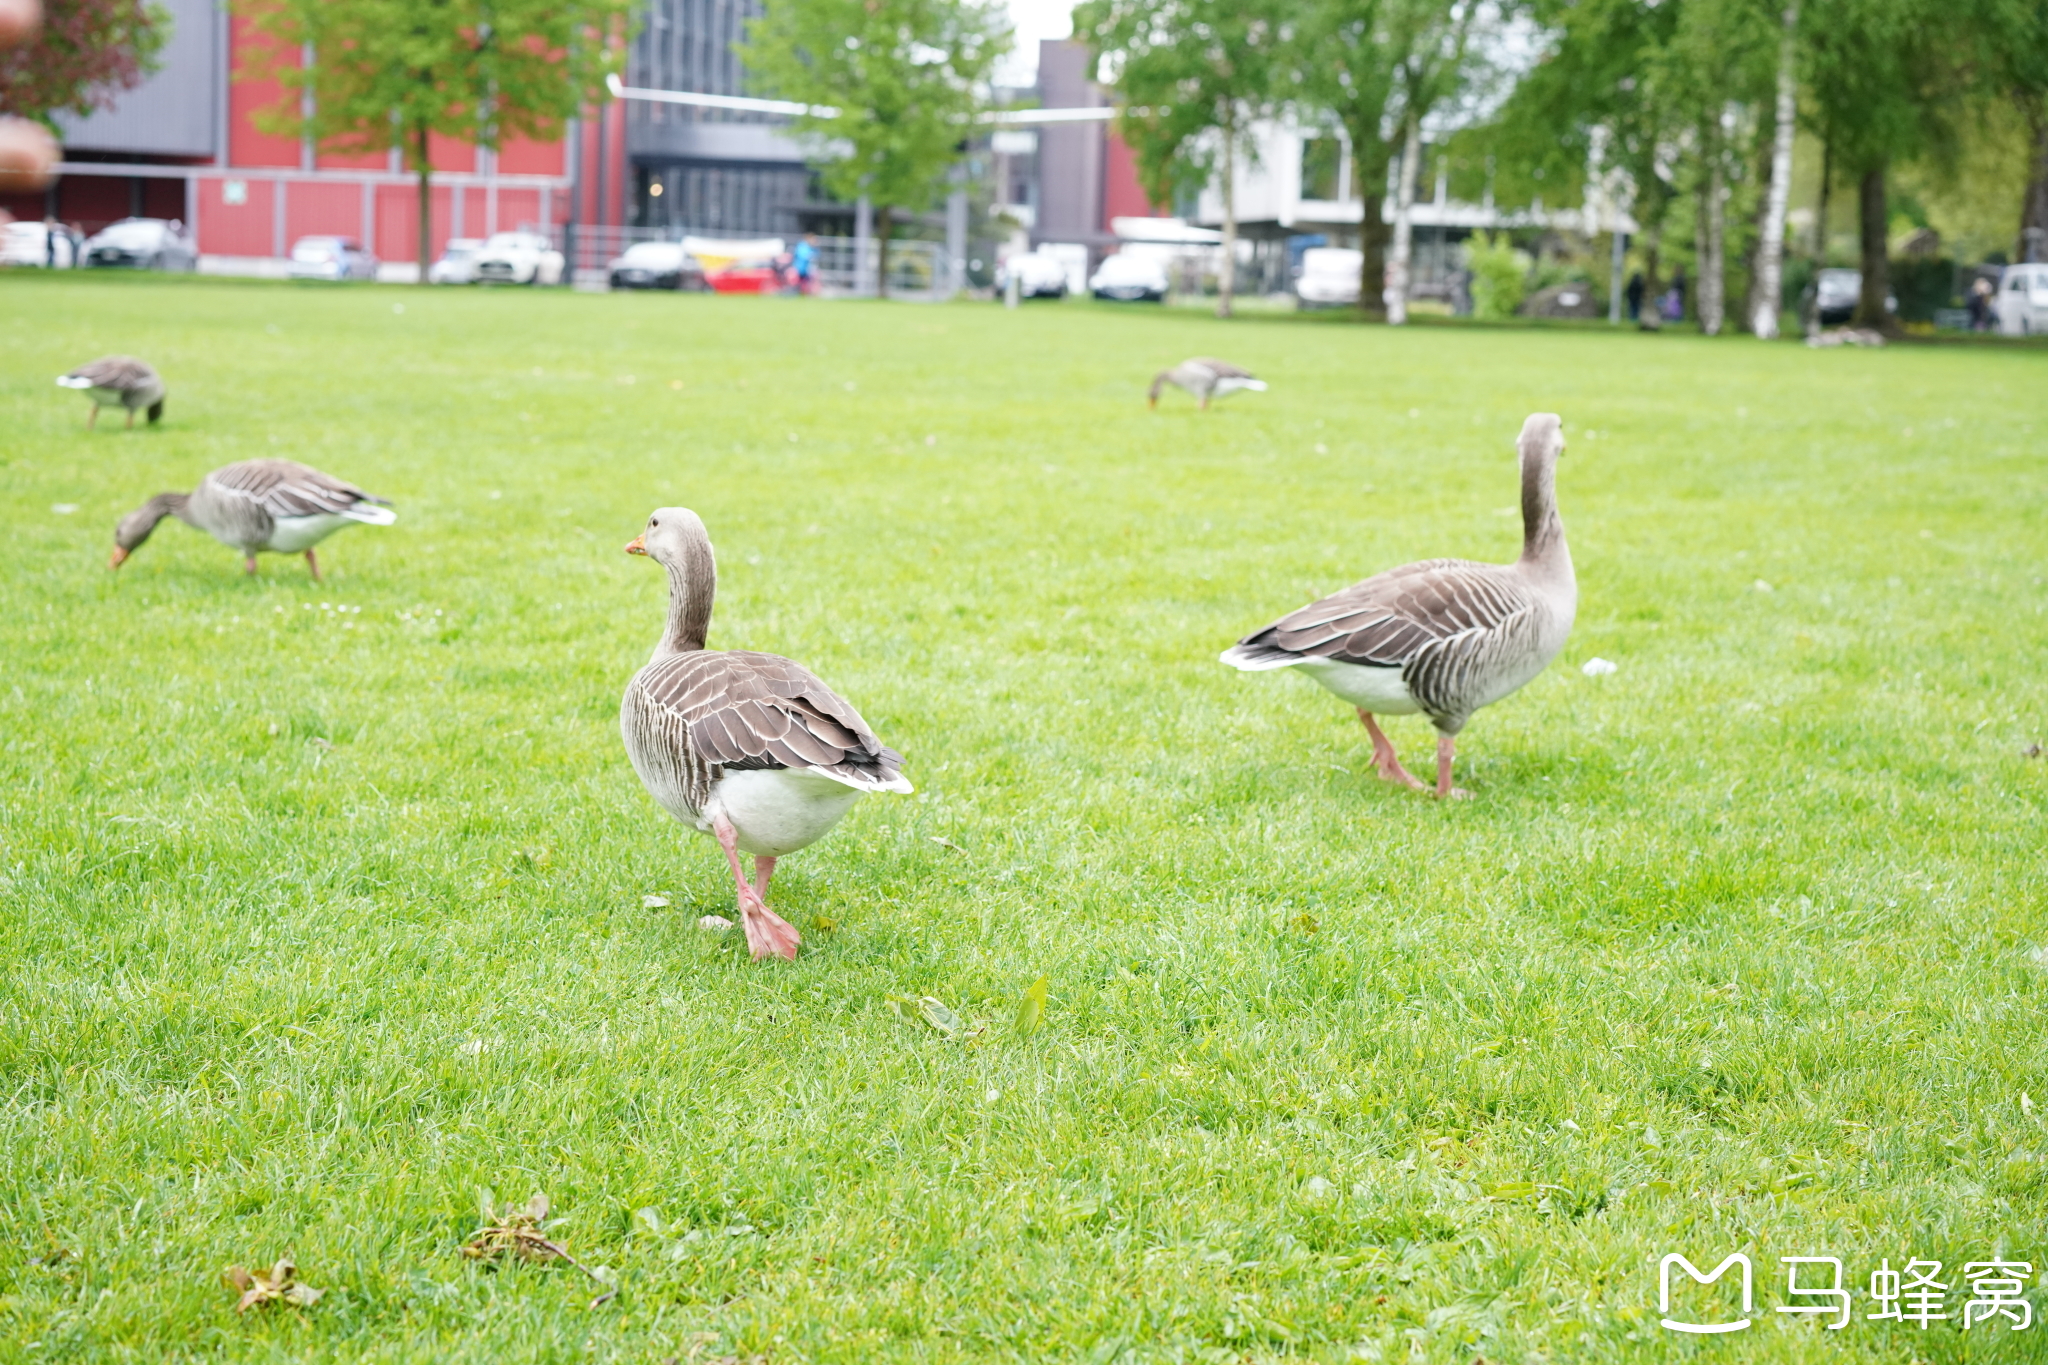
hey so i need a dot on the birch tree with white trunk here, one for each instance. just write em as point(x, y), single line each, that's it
point(1770, 253)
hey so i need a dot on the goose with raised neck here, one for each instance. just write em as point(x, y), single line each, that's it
point(1442, 637)
point(752, 749)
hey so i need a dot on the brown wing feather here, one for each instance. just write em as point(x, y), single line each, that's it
point(1389, 618)
point(286, 488)
point(749, 710)
point(1222, 369)
point(121, 373)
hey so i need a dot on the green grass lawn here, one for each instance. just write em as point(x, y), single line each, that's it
point(323, 905)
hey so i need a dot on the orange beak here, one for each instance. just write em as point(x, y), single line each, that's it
point(119, 556)
point(637, 545)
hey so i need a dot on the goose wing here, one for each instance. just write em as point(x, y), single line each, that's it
point(286, 488)
point(744, 710)
point(1390, 618)
point(1222, 369)
point(121, 373)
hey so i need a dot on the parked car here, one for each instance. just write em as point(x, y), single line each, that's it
point(1039, 275)
point(39, 244)
point(518, 258)
point(1130, 278)
point(656, 265)
point(458, 262)
point(331, 258)
point(1329, 277)
point(2021, 303)
point(746, 275)
point(143, 244)
point(1835, 292)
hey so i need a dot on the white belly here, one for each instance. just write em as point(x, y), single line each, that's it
point(778, 810)
point(289, 535)
point(1378, 690)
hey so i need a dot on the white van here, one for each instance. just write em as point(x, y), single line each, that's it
point(1329, 276)
point(2021, 303)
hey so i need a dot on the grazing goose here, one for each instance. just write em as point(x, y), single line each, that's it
point(749, 748)
point(1445, 636)
point(118, 381)
point(276, 505)
point(1205, 378)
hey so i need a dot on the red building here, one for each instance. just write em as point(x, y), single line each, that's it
point(185, 145)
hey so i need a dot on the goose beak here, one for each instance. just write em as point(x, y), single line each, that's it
point(637, 545)
point(120, 555)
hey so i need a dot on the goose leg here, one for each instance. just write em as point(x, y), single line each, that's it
point(1445, 745)
point(314, 565)
point(92, 416)
point(764, 868)
point(249, 564)
point(131, 420)
point(1384, 759)
point(767, 932)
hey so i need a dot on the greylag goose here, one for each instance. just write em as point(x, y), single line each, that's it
point(276, 505)
point(1205, 377)
point(118, 381)
point(1443, 637)
point(749, 748)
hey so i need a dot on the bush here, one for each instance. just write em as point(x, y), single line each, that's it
point(1500, 275)
point(1922, 284)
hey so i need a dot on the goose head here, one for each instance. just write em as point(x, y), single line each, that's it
point(133, 529)
point(1542, 436)
point(672, 538)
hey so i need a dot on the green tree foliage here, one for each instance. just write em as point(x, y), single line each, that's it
point(901, 79)
point(85, 53)
point(1191, 76)
point(1500, 276)
point(1342, 61)
point(390, 74)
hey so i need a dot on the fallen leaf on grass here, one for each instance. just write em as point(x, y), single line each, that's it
point(824, 924)
point(716, 924)
point(279, 1284)
point(947, 843)
point(1030, 1009)
point(519, 1230)
point(2031, 751)
point(935, 1014)
point(654, 902)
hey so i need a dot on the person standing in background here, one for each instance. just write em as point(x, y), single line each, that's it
point(1633, 295)
point(805, 262)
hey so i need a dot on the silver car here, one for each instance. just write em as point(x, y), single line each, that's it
point(331, 258)
point(142, 244)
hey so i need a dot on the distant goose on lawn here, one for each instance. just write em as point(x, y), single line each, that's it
point(749, 748)
point(1205, 377)
point(118, 381)
point(276, 505)
point(1443, 637)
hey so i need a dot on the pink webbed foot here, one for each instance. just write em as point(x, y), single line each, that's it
point(767, 932)
point(1384, 760)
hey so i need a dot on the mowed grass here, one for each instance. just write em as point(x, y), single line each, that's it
point(323, 904)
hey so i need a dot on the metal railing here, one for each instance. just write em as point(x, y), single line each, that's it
point(846, 267)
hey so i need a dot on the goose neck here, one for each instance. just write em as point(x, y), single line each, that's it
point(1543, 543)
point(692, 584)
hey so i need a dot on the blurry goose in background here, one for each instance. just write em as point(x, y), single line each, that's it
point(1445, 636)
point(118, 381)
point(276, 505)
point(749, 748)
point(1205, 377)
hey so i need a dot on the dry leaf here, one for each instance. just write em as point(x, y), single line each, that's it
point(276, 1285)
point(654, 902)
point(1031, 1009)
point(947, 843)
point(518, 1230)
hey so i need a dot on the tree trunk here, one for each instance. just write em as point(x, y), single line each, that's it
point(883, 215)
point(1404, 226)
point(1712, 231)
point(1770, 255)
point(1369, 177)
point(1873, 224)
point(425, 169)
point(1226, 277)
point(2033, 242)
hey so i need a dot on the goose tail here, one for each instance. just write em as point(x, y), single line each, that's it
point(73, 381)
point(370, 514)
point(1251, 657)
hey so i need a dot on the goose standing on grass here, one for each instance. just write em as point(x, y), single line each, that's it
point(749, 748)
point(1205, 377)
point(1443, 637)
point(276, 505)
point(118, 381)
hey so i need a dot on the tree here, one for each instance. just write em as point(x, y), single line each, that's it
point(390, 74)
point(1766, 293)
point(1341, 61)
point(1884, 93)
point(1433, 43)
point(2015, 38)
point(85, 54)
point(1191, 77)
point(895, 82)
